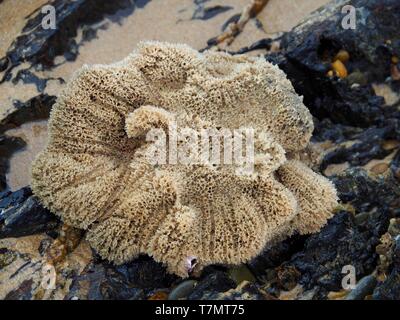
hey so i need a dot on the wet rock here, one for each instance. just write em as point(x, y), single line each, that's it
point(380, 196)
point(139, 279)
point(28, 77)
point(3, 64)
point(145, 273)
point(337, 133)
point(23, 292)
point(6, 257)
point(159, 295)
point(389, 289)
point(99, 281)
point(357, 77)
point(241, 273)
point(274, 256)
point(8, 145)
point(395, 165)
point(182, 290)
point(80, 274)
point(25, 262)
point(338, 244)
point(21, 215)
point(394, 227)
point(215, 282)
point(355, 121)
point(203, 12)
point(368, 144)
point(67, 240)
point(346, 110)
point(244, 291)
point(37, 108)
point(287, 277)
point(10, 199)
point(41, 46)
point(309, 50)
point(364, 287)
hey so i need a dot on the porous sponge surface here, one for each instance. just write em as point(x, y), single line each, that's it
point(93, 172)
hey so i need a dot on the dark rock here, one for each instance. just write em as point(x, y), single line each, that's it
point(233, 19)
point(287, 277)
point(8, 145)
point(3, 64)
point(390, 288)
point(145, 273)
point(45, 245)
point(41, 46)
point(100, 281)
point(37, 108)
point(244, 291)
point(203, 12)
point(182, 290)
point(325, 130)
point(22, 214)
point(274, 256)
point(261, 44)
point(310, 47)
point(344, 109)
point(308, 50)
point(23, 292)
point(6, 257)
point(345, 112)
point(134, 280)
point(214, 282)
point(10, 199)
point(369, 145)
point(212, 269)
point(28, 77)
point(338, 244)
point(364, 287)
point(365, 194)
point(241, 273)
point(395, 165)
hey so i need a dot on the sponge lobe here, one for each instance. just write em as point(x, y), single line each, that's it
point(93, 172)
point(316, 196)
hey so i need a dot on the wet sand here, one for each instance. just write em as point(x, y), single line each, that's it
point(12, 19)
point(35, 136)
point(158, 20)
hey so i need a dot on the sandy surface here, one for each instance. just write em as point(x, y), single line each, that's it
point(158, 20)
point(35, 135)
point(12, 19)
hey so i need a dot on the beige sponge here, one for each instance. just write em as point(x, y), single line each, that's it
point(96, 175)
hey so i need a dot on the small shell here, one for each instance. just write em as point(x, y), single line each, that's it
point(339, 69)
point(342, 55)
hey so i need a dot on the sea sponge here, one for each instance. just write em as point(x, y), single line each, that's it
point(96, 175)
